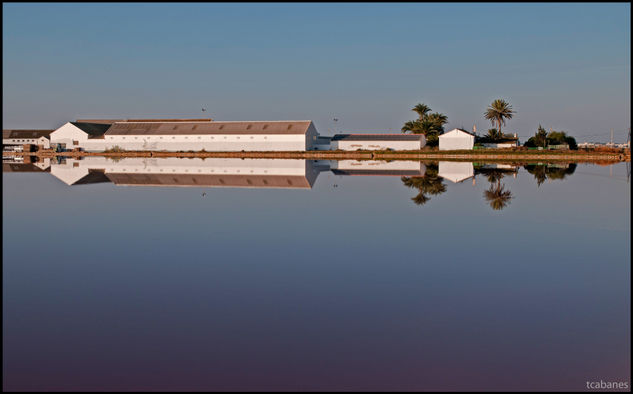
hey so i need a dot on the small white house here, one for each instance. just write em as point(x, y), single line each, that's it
point(378, 142)
point(23, 137)
point(457, 139)
point(87, 136)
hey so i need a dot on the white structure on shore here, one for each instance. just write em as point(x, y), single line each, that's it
point(186, 135)
point(457, 139)
point(378, 142)
point(24, 137)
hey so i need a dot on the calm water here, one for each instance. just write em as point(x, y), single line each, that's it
point(294, 275)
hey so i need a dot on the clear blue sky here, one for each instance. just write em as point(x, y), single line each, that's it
point(566, 66)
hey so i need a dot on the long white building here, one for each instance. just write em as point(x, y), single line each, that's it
point(186, 135)
point(378, 142)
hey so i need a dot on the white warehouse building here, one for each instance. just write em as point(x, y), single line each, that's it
point(186, 135)
point(457, 139)
point(378, 142)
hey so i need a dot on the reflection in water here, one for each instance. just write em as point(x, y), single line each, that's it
point(498, 196)
point(425, 177)
point(542, 172)
point(429, 184)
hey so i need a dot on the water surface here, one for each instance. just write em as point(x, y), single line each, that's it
point(370, 276)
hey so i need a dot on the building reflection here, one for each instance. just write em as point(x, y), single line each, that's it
point(428, 179)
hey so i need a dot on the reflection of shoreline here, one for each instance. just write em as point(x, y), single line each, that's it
point(426, 176)
point(492, 156)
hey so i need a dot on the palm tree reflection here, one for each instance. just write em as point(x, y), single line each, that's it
point(497, 196)
point(428, 185)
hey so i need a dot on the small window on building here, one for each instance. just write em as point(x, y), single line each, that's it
point(249, 127)
point(289, 126)
point(265, 127)
point(75, 142)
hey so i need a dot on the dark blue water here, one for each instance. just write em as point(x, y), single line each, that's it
point(348, 285)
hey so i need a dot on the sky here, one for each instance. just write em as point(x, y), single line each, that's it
point(564, 66)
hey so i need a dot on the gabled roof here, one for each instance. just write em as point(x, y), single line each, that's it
point(6, 134)
point(183, 128)
point(462, 130)
point(378, 137)
point(94, 130)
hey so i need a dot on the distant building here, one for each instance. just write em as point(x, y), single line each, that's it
point(378, 142)
point(507, 141)
point(26, 137)
point(457, 139)
point(184, 135)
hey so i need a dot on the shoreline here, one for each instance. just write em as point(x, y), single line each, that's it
point(568, 156)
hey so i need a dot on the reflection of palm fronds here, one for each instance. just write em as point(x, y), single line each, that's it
point(420, 199)
point(494, 176)
point(429, 184)
point(497, 196)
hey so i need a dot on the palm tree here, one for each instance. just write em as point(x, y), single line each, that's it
point(421, 110)
point(498, 112)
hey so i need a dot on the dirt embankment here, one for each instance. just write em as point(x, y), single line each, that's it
point(595, 156)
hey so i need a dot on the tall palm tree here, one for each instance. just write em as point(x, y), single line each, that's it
point(498, 112)
point(421, 110)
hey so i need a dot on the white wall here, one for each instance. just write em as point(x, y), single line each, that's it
point(377, 145)
point(455, 140)
point(42, 141)
point(68, 133)
point(210, 143)
point(455, 171)
point(379, 165)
